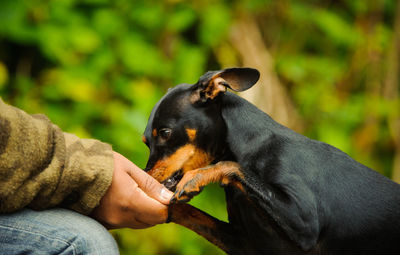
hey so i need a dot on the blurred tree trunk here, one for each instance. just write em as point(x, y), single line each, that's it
point(391, 93)
point(269, 95)
point(367, 137)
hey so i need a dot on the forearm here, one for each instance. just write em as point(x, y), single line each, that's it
point(41, 167)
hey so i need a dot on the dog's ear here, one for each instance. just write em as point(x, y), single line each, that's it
point(212, 83)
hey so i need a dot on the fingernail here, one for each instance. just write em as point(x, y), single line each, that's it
point(166, 194)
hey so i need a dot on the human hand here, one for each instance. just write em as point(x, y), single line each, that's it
point(134, 198)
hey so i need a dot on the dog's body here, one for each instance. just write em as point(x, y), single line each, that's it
point(286, 194)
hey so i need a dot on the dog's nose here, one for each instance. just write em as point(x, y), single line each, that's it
point(149, 165)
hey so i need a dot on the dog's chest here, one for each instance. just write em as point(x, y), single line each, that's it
point(255, 227)
point(243, 214)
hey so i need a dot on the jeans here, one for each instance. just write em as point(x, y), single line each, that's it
point(55, 231)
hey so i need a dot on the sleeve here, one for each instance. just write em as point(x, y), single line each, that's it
point(42, 167)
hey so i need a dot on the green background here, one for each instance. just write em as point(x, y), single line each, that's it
point(97, 67)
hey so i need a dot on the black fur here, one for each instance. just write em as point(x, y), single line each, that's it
point(313, 191)
point(302, 196)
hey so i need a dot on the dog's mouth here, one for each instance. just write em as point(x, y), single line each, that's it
point(171, 182)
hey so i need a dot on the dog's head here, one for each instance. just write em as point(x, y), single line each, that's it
point(185, 130)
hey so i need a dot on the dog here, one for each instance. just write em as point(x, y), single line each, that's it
point(285, 193)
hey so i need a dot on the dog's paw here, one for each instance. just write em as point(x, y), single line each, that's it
point(190, 185)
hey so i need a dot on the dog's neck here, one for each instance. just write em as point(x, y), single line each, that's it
point(246, 125)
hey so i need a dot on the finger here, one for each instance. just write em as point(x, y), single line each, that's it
point(147, 183)
point(148, 211)
point(150, 185)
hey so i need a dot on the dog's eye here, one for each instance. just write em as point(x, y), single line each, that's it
point(165, 133)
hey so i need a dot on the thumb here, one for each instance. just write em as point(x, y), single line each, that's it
point(150, 185)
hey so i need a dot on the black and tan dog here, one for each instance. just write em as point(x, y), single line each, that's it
point(286, 194)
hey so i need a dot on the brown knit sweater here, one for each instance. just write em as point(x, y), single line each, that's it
point(42, 167)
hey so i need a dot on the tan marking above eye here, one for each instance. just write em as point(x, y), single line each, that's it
point(191, 134)
point(154, 133)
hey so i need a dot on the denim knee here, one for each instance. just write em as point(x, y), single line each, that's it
point(55, 231)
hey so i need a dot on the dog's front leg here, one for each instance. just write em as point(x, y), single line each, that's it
point(219, 233)
point(192, 183)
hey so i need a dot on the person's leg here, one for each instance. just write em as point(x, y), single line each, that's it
point(55, 231)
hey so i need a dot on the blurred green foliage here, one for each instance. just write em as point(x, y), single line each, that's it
point(97, 67)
